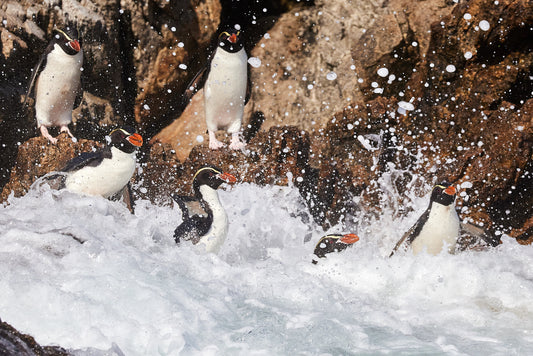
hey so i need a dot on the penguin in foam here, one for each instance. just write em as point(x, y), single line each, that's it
point(205, 221)
point(333, 243)
point(57, 81)
point(438, 226)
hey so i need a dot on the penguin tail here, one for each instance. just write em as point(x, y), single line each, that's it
point(55, 180)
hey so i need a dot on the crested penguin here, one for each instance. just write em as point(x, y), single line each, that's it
point(333, 243)
point(437, 226)
point(57, 80)
point(226, 85)
point(208, 225)
point(105, 172)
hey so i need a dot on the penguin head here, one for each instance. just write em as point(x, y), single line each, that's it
point(443, 193)
point(212, 177)
point(67, 39)
point(230, 40)
point(334, 243)
point(125, 139)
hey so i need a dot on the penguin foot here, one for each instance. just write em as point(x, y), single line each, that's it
point(44, 133)
point(65, 129)
point(236, 143)
point(214, 144)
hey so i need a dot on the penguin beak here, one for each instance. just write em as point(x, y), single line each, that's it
point(349, 239)
point(450, 190)
point(75, 45)
point(135, 140)
point(228, 178)
point(233, 38)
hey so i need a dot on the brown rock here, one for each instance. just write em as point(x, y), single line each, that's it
point(37, 156)
point(305, 74)
point(184, 133)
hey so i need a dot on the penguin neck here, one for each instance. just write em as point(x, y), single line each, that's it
point(117, 153)
point(438, 209)
point(222, 55)
point(218, 230)
point(125, 148)
point(209, 196)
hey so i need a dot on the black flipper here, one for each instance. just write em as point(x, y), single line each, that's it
point(194, 225)
point(195, 84)
point(471, 235)
point(87, 159)
point(410, 235)
point(36, 71)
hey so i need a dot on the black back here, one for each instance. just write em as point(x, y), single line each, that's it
point(87, 159)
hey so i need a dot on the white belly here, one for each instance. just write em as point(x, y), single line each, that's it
point(105, 180)
point(57, 87)
point(442, 227)
point(225, 91)
point(216, 235)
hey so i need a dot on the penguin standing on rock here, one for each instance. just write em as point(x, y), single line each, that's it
point(106, 172)
point(333, 243)
point(437, 226)
point(208, 225)
point(57, 82)
point(226, 88)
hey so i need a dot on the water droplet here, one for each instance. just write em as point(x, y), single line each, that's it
point(383, 72)
point(331, 76)
point(484, 25)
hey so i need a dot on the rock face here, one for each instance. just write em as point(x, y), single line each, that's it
point(13, 342)
point(349, 98)
point(37, 156)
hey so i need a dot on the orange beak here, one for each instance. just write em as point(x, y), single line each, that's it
point(135, 140)
point(75, 45)
point(228, 178)
point(349, 239)
point(450, 190)
point(233, 38)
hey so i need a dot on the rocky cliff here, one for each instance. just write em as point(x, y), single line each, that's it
point(346, 93)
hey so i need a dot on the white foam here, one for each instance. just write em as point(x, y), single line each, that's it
point(129, 287)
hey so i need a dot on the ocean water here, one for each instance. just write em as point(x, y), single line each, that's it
point(85, 274)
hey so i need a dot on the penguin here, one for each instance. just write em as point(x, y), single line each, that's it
point(438, 225)
point(333, 243)
point(227, 89)
point(208, 226)
point(105, 172)
point(57, 79)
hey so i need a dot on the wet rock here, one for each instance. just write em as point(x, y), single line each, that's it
point(38, 156)
point(12, 342)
